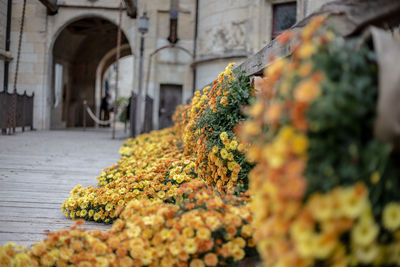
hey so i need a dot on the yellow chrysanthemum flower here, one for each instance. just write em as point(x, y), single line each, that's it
point(203, 233)
point(233, 145)
point(190, 246)
point(364, 232)
point(223, 136)
point(391, 216)
point(224, 153)
point(366, 254)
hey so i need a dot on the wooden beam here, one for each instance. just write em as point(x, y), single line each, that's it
point(131, 8)
point(51, 6)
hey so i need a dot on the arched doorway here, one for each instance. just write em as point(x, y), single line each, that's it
point(77, 53)
point(126, 72)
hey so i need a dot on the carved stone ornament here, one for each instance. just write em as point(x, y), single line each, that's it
point(221, 39)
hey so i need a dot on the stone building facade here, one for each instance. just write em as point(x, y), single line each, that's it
point(232, 30)
point(64, 56)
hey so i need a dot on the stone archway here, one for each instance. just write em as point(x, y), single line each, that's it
point(77, 52)
point(104, 64)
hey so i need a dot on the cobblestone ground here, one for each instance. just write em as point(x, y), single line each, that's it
point(37, 171)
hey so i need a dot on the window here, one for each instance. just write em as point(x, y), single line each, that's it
point(283, 17)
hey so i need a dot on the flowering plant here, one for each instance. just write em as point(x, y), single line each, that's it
point(170, 217)
point(152, 166)
point(205, 228)
point(210, 131)
point(323, 189)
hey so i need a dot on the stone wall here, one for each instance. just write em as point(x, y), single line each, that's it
point(32, 68)
point(232, 30)
point(171, 65)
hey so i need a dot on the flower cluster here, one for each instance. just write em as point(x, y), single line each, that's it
point(323, 187)
point(170, 217)
point(209, 132)
point(205, 229)
point(74, 246)
point(152, 166)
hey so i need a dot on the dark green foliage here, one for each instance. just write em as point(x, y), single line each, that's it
point(342, 147)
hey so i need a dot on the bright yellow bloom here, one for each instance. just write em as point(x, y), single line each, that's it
point(231, 165)
point(305, 69)
point(203, 233)
point(223, 136)
point(352, 204)
point(306, 50)
point(241, 147)
point(224, 153)
point(391, 216)
point(205, 89)
point(190, 246)
point(238, 254)
point(307, 91)
point(215, 149)
point(256, 109)
point(161, 194)
point(147, 257)
point(300, 144)
point(96, 216)
point(174, 248)
point(240, 242)
point(275, 69)
point(324, 245)
point(375, 177)
point(252, 128)
point(233, 145)
point(306, 245)
point(364, 232)
point(109, 207)
point(133, 231)
point(188, 232)
point(366, 254)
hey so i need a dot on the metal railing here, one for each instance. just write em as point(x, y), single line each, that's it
point(18, 115)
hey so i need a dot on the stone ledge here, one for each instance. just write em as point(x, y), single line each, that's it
point(231, 54)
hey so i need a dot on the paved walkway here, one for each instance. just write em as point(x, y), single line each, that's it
point(37, 172)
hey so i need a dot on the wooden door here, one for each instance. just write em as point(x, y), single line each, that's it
point(170, 98)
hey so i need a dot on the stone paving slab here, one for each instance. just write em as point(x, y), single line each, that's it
point(38, 170)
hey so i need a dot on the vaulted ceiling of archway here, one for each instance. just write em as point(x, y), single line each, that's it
point(86, 40)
